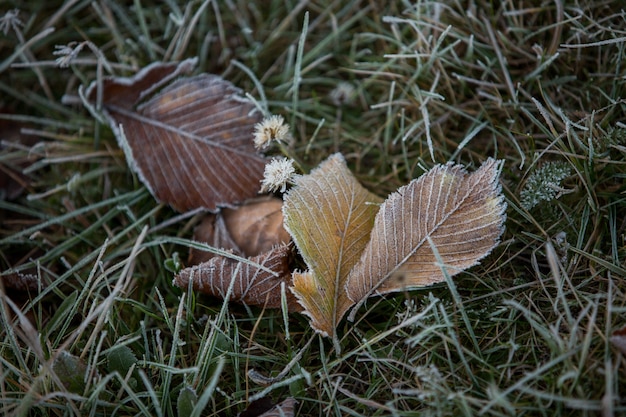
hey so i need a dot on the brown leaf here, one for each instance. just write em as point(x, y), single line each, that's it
point(19, 277)
point(329, 216)
point(254, 283)
point(257, 227)
point(264, 407)
point(257, 407)
point(212, 231)
point(22, 281)
point(249, 230)
point(462, 214)
point(191, 142)
point(285, 409)
point(128, 91)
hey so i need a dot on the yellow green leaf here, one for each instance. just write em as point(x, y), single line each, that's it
point(329, 216)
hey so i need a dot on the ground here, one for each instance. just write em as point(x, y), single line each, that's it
point(90, 321)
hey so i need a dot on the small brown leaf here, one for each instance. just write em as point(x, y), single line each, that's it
point(254, 284)
point(264, 407)
point(191, 142)
point(249, 230)
point(257, 407)
point(212, 231)
point(21, 281)
point(285, 409)
point(463, 215)
point(257, 227)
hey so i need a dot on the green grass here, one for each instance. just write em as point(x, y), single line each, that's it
point(525, 333)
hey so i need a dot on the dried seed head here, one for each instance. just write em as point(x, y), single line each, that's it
point(271, 128)
point(342, 94)
point(278, 173)
point(10, 20)
point(67, 53)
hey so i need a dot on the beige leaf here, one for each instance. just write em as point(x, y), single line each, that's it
point(257, 227)
point(212, 231)
point(329, 216)
point(252, 286)
point(249, 230)
point(461, 213)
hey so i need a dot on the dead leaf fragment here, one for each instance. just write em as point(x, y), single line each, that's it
point(254, 284)
point(264, 407)
point(189, 139)
point(285, 409)
point(329, 216)
point(257, 407)
point(248, 230)
point(127, 91)
point(254, 231)
point(257, 227)
point(21, 281)
point(463, 215)
point(212, 231)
